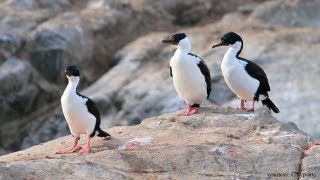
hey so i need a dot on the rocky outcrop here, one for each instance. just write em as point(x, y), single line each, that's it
point(124, 66)
point(216, 143)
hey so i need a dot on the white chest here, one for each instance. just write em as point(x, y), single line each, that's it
point(237, 78)
point(188, 80)
point(76, 113)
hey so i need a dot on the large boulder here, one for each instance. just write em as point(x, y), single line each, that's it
point(216, 143)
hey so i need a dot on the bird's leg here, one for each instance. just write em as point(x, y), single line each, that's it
point(241, 104)
point(189, 111)
point(86, 149)
point(72, 149)
point(252, 108)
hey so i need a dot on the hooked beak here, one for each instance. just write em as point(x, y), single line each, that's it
point(170, 41)
point(222, 43)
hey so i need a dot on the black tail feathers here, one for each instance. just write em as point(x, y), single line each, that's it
point(102, 133)
point(270, 105)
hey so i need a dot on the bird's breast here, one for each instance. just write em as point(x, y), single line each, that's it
point(239, 81)
point(189, 82)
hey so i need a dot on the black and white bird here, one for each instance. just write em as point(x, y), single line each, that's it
point(190, 74)
point(81, 113)
point(245, 78)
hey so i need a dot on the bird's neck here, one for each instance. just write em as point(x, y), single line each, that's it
point(183, 50)
point(72, 86)
point(233, 51)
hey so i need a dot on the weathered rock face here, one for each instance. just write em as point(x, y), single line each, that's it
point(22, 91)
point(216, 143)
point(290, 12)
point(131, 65)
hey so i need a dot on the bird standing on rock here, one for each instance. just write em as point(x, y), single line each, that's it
point(81, 113)
point(245, 78)
point(190, 74)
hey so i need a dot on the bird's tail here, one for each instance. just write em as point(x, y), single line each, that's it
point(102, 133)
point(270, 105)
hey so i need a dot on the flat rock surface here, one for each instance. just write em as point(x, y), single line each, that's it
point(215, 143)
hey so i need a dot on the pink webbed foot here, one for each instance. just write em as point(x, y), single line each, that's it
point(189, 111)
point(183, 113)
point(69, 150)
point(72, 149)
point(249, 109)
point(84, 150)
point(192, 111)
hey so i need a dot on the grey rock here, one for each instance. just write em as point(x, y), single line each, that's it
point(9, 44)
point(168, 146)
point(310, 167)
point(14, 74)
point(22, 92)
point(46, 54)
point(129, 67)
point(290, 12)
point(45, 126)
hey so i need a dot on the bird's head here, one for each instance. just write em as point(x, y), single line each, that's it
point(72, 72)
point(180, 40)
point(230, 39)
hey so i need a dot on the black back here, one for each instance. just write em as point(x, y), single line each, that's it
point(257, 72)
point(206, 73)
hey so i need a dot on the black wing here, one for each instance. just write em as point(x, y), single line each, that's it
point(92, 108)
point(206, 73)
point(257, 72)
point(171, 71)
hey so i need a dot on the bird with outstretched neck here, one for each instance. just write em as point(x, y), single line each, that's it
point(245, 78)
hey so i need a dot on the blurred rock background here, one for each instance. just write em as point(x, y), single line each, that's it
point(124, 67)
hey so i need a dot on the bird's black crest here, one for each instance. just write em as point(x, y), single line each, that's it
point(231, 38)
point(178, 37)
point(175, 39)
point(72, 71)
